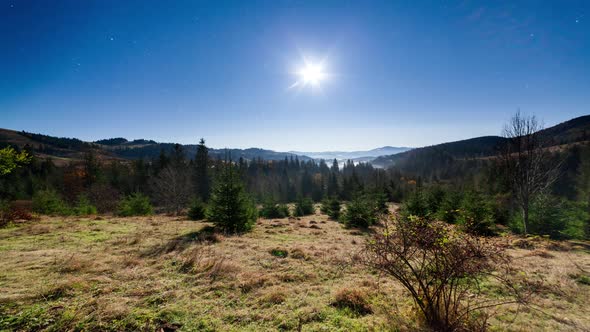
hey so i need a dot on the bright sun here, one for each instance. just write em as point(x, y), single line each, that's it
point(311, 74)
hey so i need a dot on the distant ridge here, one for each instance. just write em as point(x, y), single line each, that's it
point(354, 155)
point(572, 131)
point(64, 150)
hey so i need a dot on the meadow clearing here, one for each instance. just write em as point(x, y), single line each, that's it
point(163, 273)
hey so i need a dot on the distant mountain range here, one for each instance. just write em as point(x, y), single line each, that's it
point(354, 155)
point(138, 149)
point(64, 150)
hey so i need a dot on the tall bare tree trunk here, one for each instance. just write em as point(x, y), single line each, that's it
point(527, 162)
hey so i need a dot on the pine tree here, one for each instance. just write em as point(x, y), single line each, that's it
point(178, 157)
point(163, 161)
point(306, 184)
point(201, 172)
point(335, 168)
point(333, 189)
point(229, 206)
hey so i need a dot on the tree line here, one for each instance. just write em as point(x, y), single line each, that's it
point(525, 186)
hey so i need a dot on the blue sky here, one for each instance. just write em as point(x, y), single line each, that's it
point(401, 73)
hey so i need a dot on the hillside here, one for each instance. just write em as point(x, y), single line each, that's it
point(569, 132)
point(63, 150)
point(474, 147)
point(138, 149)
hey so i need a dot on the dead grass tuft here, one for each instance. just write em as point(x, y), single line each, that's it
point(296, 276)
point(299, 253)
point(39, 229)
point(523, 244)
point(70, 264)
point(541, 253)
point(275, 295)
point(207, 262)
point(355, 299)
point(251, 281)
point(130, 261)
point(207, 235)
point(64, 289)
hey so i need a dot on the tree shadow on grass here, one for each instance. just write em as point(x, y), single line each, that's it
point(208, 234)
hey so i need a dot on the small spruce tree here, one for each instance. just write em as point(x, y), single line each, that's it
point(304, 207)
point(196, 210)
point(270, 209)
point(360, 212)
point(334, 208)
point(229, 206)
point(201, 172)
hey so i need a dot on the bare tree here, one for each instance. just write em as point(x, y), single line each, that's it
point(172, 188)
point(527, 162)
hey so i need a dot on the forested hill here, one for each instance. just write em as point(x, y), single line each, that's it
point(569, 132)
point(63, 149)
point(149, 149)
point(474, 147)
point(572, 131)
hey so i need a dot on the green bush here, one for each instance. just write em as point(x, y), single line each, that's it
point(475, 214)
point(434, 198)
point(380, 200)
point(83, 207)
point(49, 202)
point(196, 210)
point(304, 207)
point(282, 253)
point(136, 204)
point(554, 217)
point(578, 220)
point(284, 210)
point(332, 208)
point(500, 207)
point(270, 209)
point(449, 208)
point(431, 203)
point(361, 212)
point(230, 208)
point(415, 205)
point(325, 205)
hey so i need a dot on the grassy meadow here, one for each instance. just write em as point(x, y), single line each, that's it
point(161, 273)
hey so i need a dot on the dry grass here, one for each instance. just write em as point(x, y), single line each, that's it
point(354, 299)
point(161, 273)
